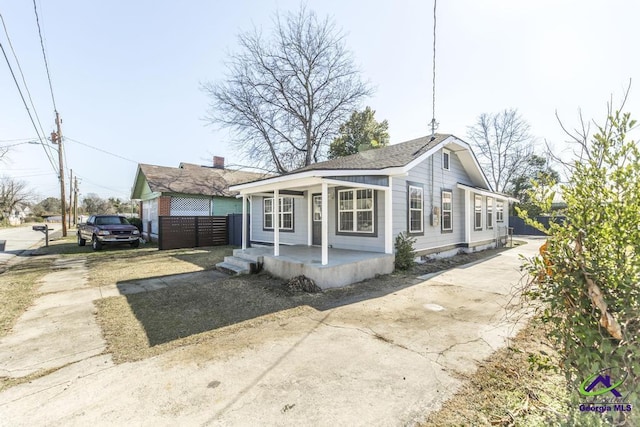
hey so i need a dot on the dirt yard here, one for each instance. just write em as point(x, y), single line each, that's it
point(146, 324)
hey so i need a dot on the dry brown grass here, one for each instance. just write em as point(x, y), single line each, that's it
point(142, 325)
point(115, 264)
point(18, 289)
point(513, 387)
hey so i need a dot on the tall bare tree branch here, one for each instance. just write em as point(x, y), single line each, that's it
point(504, 145)
point(285, 96)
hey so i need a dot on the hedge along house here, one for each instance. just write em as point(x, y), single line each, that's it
point(431, 188)
point(188, 190)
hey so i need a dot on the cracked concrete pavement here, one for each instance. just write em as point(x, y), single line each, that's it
point(388, 360)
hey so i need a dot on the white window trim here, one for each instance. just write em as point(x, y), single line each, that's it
point(499, 211)
point(446, 153)
point(281, 214)
point(477, 209)
point(355, 211)
point(450, 193)
point(420, 209)
point(489, 212)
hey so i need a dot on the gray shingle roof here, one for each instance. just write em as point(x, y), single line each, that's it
point(396, 155)
point(195, 179)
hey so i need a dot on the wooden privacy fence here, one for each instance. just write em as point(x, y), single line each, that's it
point(191, 231)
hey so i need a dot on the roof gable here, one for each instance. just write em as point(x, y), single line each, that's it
point(391, 160)
point(391, 156)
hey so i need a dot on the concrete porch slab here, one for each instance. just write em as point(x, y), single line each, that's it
point(344, 268)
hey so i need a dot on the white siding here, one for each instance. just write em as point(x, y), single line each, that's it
point(150, 213)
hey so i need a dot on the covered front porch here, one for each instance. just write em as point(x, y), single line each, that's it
point(343, 267)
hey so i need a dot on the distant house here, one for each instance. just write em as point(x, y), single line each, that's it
point(431, 188)
point(188, 190)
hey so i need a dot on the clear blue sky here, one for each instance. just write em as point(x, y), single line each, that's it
point(126, 74)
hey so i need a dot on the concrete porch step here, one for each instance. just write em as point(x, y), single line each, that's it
point(240, 262)
point(239, 253)
point(231, 269)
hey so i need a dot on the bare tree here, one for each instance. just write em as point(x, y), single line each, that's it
point(285, 96)
point(504, 145)
point(3, 152)
point(12, 194)
point(94, 204)
point(580, 138)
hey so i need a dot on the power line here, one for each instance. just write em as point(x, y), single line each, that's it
point(102, 186)
point(100, 149)
point(19, 139)
point(25, 104)
point(26, 87)
point(44, 55)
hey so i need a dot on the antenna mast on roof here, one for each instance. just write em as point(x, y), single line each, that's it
point(434, 124)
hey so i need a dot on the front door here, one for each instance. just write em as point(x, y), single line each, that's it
point(317, 220)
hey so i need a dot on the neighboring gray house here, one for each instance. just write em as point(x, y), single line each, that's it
point(430, 187)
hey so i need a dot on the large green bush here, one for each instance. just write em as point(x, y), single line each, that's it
point(588, 280)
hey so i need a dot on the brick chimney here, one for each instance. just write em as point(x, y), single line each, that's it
point(218, 162)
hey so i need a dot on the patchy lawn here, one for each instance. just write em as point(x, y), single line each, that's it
point(19, 283)
point(18, 286)
point(119, 263)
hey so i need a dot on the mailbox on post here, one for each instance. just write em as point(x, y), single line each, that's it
point(45, 230)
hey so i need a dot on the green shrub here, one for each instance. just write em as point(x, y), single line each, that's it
point(405, 253)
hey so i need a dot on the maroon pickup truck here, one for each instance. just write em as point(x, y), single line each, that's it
point(107, 229)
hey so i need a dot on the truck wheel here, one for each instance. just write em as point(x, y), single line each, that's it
point(135, 243)
point(81, 241)
point(95, 244)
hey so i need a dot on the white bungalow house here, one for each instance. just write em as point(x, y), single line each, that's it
point(336, 221)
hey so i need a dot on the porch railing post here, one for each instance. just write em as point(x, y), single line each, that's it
point(388, 219)
point(325, 223)
point(244, 222)
point(276, 223)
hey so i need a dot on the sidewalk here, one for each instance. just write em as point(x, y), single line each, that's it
point(382, 361)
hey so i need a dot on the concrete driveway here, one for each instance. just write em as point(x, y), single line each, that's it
point(17, 240)
point(382, 361)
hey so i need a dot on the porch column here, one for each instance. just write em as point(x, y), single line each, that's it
point(468, 214)
point(244, 222)
point(276, 223)
point(388, 219)
point(325, 223)
point(309, 218)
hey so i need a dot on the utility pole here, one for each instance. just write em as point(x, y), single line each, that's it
point(56, 138)
point(70, 195)
point(75, 202)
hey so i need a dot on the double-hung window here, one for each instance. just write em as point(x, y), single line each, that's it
point(416, 217)
point(477, 221)
point(447, 211)
point(499, 211)
point(285, 213)
point(355, 211)
point(489, 212)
